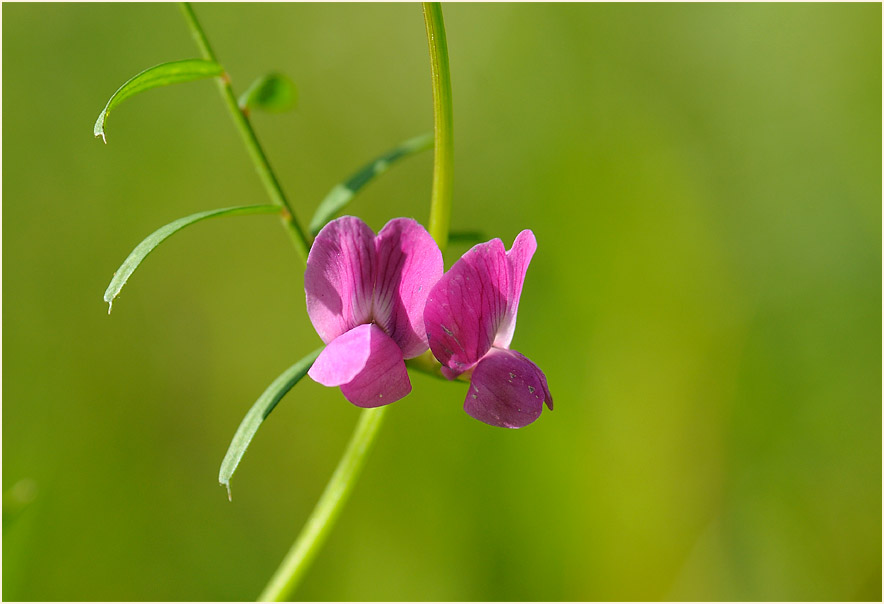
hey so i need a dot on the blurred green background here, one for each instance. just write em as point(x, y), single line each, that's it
point(704, 182)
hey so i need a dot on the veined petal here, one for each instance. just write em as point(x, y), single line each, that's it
point(467, 305)
point(340, 277)
point(507, 390)
point(409, 265)
point(367, 364)
point(518, 259)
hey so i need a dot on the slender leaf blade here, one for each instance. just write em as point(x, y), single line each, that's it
point(159, 75)
point(466, 237)
point(274, 92)
point(134, 259)
point(259, 412)
point(342, 193)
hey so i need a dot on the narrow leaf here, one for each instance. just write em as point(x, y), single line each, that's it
point(467, 237)
point(159, 75)
point(154, 239)
point(343, 192)
point(274, 92)
point(259, 412)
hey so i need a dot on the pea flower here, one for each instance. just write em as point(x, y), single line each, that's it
point(470, 319)
point(365, 298)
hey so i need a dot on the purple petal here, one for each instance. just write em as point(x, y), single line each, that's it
point(340, 277)
point(507, 390)
point(467, 305)
point(367, 364)
point(409, 265)
point(518, 259)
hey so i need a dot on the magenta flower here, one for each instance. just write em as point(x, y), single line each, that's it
point(470, 319)
point(365, 297)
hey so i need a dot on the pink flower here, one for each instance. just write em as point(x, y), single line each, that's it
point(365, 297)
point(470, 319)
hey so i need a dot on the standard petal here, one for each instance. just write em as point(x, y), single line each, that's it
point(367, 364)
point(467, 305)
point(409, 265)
point(518, 259)
point(340, 277)
point(507, 390)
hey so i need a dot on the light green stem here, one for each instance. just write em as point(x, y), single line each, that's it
point(302, 552)
point(262, 165)
point(443, 160)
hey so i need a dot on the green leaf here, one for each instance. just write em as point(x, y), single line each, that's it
point(259, 412)
point(154, 239)
point(274, 92)
point(160, 75)
point(343, 192)
point(466, 237)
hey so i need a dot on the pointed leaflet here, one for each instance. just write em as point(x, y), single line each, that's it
point(466, 237)
point(154, 239)
point(273, 92)
point(342, 193)
point(160, 75)
point(259, 412)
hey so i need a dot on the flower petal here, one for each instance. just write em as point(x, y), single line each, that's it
point(340, 277)
point(466, 306)
point(507, 390)
point(409, 265)
point(367, 364)
point(343, 359)
point(518, 259)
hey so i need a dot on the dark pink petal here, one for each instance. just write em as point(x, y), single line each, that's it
point(467, 305)
point(409, 265)
point(367, 364)
point(507, 390)
point(340, 277)
point(518, 259)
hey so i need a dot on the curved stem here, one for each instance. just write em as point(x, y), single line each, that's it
point(262, 165)
point(302, 552)
point(443, 160)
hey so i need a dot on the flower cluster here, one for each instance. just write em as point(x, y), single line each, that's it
point(376, 300)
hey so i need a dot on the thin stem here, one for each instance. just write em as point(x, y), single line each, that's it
point(302, 552)
point(262, 165)
point(443, 160)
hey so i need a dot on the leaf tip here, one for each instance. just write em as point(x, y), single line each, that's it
point(226, 484)
point(98, 128)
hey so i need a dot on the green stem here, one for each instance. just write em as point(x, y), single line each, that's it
point(443, 160)
point(302, 552)
point(262, 165)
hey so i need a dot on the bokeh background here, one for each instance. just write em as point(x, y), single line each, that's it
point(704, 182)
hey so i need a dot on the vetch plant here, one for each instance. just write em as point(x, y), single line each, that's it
point(380, 303)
